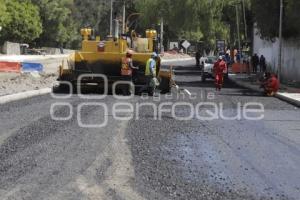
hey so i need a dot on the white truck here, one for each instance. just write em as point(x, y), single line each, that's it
point(207, 66)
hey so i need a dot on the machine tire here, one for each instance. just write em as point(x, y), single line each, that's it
point(62, 89)
point(203, 78)
point(165, 85)
point(74, 87)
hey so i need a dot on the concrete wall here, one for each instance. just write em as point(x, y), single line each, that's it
point(11, 48)
point(290, 56)
point(51, 65)
point(56, 51)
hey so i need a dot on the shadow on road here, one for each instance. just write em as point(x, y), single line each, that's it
point(182, 72)
point(188, 73)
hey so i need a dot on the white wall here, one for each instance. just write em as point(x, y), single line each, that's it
point(11, 48)
point(56, 51)
point(290, 56)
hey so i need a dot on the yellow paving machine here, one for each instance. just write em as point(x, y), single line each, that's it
point(104, 57)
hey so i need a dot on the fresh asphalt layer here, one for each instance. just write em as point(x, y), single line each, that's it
point(148, 158)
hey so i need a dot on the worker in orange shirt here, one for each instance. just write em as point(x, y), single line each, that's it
point(219, 67)
point(270, 84)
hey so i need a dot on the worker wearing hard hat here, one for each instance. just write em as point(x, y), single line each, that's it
point(219, 68)
point(127, 70)
point(150, 74)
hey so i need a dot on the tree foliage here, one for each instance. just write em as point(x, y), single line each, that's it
point(94, 14)
point(191, 19)
point(57, 23)
point(59, 27)
point(267, 15)
point(4, 15)
point(21, 21)
point(291, 19)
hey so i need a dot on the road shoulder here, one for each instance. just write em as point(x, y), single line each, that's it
point(24, 95)
point(241, 80)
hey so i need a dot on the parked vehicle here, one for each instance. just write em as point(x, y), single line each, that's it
point(207, 65)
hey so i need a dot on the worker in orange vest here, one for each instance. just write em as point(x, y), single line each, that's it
point(127, 70)
point(219, 67)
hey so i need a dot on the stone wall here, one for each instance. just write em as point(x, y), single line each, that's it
point(290, 56)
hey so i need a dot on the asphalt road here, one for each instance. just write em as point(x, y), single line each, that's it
point(142, 157)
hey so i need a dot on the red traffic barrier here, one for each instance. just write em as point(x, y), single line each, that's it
point(10, 67)
point(240, 68)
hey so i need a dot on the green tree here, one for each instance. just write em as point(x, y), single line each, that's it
point(93, 14)
point(4, 15)
point(191, 19)
point(266, 15)
point(59, 27)
point(291, 19)
point(23, 22)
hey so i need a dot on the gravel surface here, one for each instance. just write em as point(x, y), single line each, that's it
point(11, 83)
point(15, 83)
point(218, 159)
point(144, 158)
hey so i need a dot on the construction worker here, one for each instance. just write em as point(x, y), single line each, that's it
point(150, 74)
point(255, 63)
point(198, 56)
point(127, 70)
point(270, 84)
point(219, 67)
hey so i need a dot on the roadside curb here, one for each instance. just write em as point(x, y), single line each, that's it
point(280, 96)
point(290, 100)
point(24, 95)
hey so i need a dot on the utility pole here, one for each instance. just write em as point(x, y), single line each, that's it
point(238, 33)
point(238, 26)
point(245, 21)
point(111, 18)
point(124, 17)
point(162, 35)
point(280, 41)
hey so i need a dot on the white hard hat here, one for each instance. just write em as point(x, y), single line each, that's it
point(154, 55)
point(129, 52)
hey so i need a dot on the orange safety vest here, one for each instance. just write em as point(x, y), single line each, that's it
point(126, 69)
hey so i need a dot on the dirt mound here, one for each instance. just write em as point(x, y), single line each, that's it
point(174, 55)
point(14, 83)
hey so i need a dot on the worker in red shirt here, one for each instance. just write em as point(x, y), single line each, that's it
point(270, 84)
point(219, 67)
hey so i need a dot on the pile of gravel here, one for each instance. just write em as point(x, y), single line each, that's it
point(15, 83)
